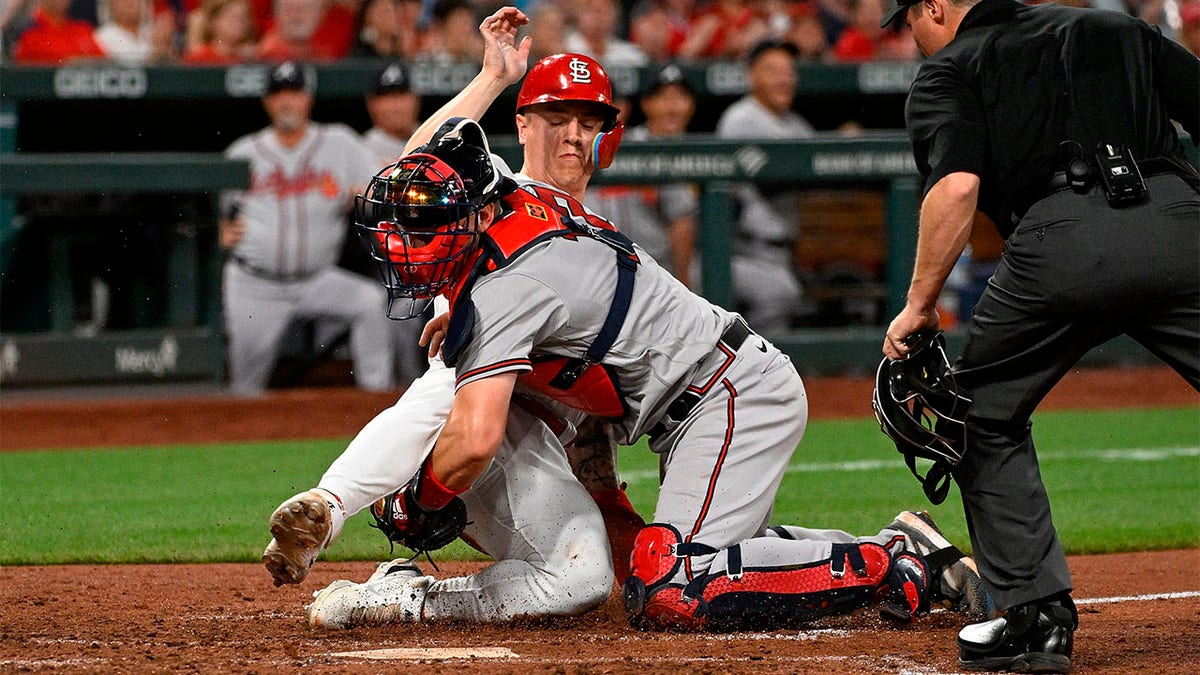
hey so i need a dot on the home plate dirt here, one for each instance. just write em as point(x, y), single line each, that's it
point(430, 654)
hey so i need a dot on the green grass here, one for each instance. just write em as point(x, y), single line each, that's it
point(211, 502)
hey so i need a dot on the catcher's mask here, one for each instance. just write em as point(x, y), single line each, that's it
point(918, 406)
point(419, 217)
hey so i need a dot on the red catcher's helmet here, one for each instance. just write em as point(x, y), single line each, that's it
point(569, 77)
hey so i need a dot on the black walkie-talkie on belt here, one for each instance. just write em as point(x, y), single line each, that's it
point(1119, 174)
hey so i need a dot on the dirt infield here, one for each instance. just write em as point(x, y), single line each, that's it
point(229, 619)
point(1139, 612)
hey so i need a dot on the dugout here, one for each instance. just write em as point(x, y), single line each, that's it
point(117, 167)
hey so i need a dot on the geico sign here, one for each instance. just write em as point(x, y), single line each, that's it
point(100, 83)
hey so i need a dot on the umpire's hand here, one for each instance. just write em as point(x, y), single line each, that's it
point(907, 322)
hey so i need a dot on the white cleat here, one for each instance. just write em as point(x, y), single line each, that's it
point(957, 585)
point(301, 527)
point(396, 596)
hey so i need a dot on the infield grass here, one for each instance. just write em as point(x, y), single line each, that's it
point(1124, 480)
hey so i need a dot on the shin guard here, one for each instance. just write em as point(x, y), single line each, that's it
point(746, 598)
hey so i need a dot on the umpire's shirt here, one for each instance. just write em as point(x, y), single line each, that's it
point(1018, 80)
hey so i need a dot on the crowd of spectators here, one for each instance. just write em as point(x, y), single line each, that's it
point(617, 32)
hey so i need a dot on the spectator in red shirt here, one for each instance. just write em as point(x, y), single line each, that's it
point(864, 40)
point(310, 30)
point(221, 32)
point(725, 29)
point(55, 39)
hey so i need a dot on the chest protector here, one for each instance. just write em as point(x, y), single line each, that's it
point(532, 215)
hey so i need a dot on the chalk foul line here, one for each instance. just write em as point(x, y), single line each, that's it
point(1179, 595)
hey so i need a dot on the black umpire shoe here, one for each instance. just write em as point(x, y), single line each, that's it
point(1030, 638)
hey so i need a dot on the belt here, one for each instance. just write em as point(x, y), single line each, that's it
point(268, 274)
point(678, 410)
point(1155, 166)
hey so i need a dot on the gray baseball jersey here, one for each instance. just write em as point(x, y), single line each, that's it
point(769, 218)
point(554, 300)
point(295, 209)
point(763, 279)
point(385, 147)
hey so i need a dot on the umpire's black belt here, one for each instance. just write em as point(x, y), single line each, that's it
point(269, 275)
point(682, 406)
point(1155, 166)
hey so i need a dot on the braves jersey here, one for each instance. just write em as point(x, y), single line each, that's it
point(768, 219)
point(295, 209)
point(553, 301)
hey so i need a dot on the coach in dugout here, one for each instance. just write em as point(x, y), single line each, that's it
point(1056, 123)
point(284, 235)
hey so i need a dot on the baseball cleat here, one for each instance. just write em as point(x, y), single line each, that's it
point(396, 596)
point(301, 527)
point(1031, 638)
point(956, 583)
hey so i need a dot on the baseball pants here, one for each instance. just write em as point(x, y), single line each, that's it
point(527, 510)
point(258, 311)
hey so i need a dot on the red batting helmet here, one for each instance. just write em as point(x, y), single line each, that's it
point(569, 77)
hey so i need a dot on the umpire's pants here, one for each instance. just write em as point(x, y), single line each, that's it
point(1075, 273)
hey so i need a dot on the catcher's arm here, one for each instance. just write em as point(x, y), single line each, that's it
point(427, 514)
point(504, 64)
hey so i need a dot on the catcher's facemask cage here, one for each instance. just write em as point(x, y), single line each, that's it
point(917, 404)
point(418, 222)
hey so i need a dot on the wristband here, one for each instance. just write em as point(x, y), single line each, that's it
point(431, 494)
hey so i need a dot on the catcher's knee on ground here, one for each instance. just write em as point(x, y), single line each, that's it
point(737, 598)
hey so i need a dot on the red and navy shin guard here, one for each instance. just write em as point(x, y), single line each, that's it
point(741, 598)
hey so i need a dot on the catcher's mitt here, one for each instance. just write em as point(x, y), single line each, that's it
point(403, 521)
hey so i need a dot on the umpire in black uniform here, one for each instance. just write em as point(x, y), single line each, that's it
point(1056, 123)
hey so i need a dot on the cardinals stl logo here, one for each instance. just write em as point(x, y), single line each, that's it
point(580, 72)
point(536, 211)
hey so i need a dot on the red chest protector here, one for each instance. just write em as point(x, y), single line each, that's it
point(531, 215)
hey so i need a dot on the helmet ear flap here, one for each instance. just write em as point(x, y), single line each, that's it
point(604, 147)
